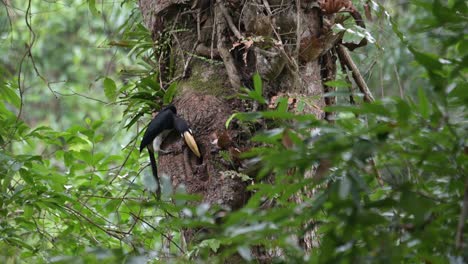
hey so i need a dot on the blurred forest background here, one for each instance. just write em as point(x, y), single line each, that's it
point(76, 91)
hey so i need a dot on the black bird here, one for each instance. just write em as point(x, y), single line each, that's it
point(158, 129)
point(162, 125)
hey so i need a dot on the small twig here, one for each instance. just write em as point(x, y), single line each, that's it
point(291, 64)
point(80, 95)
point(127, 191)
point(155, 229)
point(114, 198)
point(198, 25)
point(267, 6)
point(77, 213)
point(242, 14)
point(223, 51)
point(398, 80)
point(382, 93)
point(160, 70)
point(176, 39)
point(351, 89)
point(361, 83)
point(189, 59)
point(462, 219)
point(134, 140)
point(213, 33)
point(228, 18)
point(28, 18)
point(298, 29)
point(377, 172)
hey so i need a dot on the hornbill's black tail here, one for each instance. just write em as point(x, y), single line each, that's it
point(155, 172)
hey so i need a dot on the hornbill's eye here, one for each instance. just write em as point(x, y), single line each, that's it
point(183, 129)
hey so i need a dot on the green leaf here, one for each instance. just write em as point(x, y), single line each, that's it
point(110, 89)
point(170, 92)
point(404, 111)
point(133, 120)
point(18, 242)
point(282, 105)
point(228, 121)
point(92, 7)
point(428, 60)
point(213, 244)
point(10, 95)
point(338, 83)
point(345, 187)
point(257, 81)
point(257, 94)
point(423, 103)
point(417, 205)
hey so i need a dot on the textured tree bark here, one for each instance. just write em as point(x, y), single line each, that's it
point(222, 44)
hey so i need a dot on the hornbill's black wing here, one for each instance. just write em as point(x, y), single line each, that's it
point(163, 121)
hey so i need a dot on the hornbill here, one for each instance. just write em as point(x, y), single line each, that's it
point(158, 129)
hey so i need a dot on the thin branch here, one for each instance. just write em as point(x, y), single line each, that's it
point(377, 172)
point(28, 17)
point(155, 229)
point(213, 33)
point(110, 232)
point(228, 18)
point(462, 219)
point(114, 198)
point(80, 95)
point(382, 93)
point(361, 83)
point(231, 69)
point(298, 29)
point(125, 162)
point(351, 88)
point(398, 80)
point(9, 13)
point(292, 65)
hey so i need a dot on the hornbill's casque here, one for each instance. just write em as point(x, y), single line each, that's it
point(158, 129)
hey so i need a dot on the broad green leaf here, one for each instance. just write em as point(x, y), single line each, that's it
point(10, 95)
point(110, 89)
point(257, 81)
point(170, 92)
point(423, 103)
point(213, 244)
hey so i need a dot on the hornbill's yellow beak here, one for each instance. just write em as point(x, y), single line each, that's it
point(191, 143)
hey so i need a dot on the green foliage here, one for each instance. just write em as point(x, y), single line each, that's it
point(405, 219)
point(256, 93)
point(143, 92)
point(397, 177)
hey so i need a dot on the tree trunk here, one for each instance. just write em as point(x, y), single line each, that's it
point(217, 46)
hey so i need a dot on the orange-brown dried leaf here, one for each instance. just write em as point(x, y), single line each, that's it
point(273, 102)
point(286, 140)
point(334, 6)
